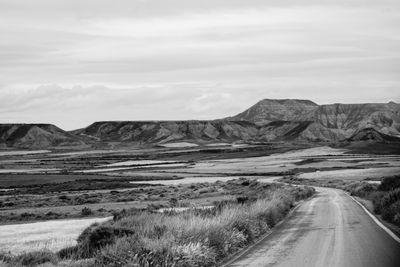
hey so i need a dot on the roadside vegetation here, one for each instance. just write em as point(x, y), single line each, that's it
point(195, 237)
point(385, 197)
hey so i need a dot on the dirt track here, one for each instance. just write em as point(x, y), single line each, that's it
point(329, 230)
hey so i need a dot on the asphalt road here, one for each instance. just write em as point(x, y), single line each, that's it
point(329, 230)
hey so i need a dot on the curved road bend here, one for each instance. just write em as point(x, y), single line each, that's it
point(329, 230)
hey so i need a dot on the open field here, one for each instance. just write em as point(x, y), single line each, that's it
point(51, 235)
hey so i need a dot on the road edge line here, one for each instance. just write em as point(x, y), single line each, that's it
point(379, 223)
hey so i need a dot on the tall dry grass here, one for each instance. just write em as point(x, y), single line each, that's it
point(196, 238)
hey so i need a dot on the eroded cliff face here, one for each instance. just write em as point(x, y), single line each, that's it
point(352, 117)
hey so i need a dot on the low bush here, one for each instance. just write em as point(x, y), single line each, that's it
point(360, 189)
point(86, 211)
point(390, 183)
point(68, 252)
point(96, 237)
point(388, 205)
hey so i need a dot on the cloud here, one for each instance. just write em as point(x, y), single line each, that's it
point(176, 59)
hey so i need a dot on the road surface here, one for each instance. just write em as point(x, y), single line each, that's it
point(329, 230)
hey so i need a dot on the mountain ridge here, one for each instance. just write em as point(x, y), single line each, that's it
point(267, 120)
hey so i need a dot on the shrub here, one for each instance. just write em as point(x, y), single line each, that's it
point(390, 198)
point(120, 253)
point(86, 211)
point(194, 254)
point(63, 197)
point(389, 183)
point(389, 213)
point(5, 257)
point(173, 202)
point(217, 240)
point(360, 189)
point(96, 237)
point(68, 252)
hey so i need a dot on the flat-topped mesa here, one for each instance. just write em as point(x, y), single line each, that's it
point(269, 110)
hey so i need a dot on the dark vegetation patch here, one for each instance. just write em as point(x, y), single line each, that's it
point(378, 148)
point(309, 161)
point(36, 180)
point(77, 185)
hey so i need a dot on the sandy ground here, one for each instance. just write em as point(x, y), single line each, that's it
point(53, 235)
point(329, 230)
point(179, 145)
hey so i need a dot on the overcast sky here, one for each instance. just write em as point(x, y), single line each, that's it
point(75, 62)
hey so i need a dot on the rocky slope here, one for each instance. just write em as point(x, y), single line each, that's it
point(36, 136)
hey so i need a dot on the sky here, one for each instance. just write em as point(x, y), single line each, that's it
point(73, 62)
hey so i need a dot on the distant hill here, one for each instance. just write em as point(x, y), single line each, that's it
point(36, 136)
point(165, 131)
